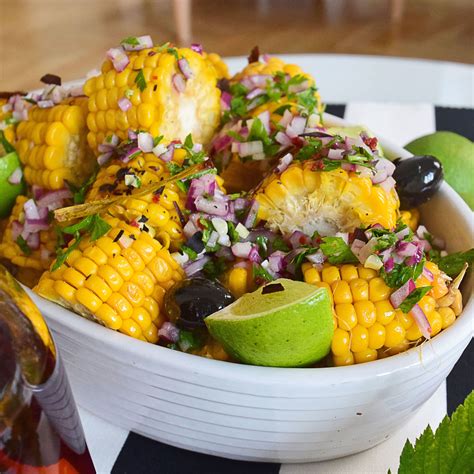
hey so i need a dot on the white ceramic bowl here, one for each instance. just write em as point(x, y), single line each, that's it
point(259, 413)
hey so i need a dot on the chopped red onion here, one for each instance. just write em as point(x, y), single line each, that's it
point(144, 42)
point(400, 295)
point(242, 249)
point(131, 153)
point(31, 209)
point(255, 93)
point(45, 104)
point(169, 332)
point(250, 148)
point(252, 215)
point(190, 229)
point(406, 249)
point(241, 265)
point(179, 83)
point(367, 250)
point(221, 142)
point(389, 264)
point(196, 266)
point(213, 208)
point(35, 225)
point(422, 321)
point(185, 68)
point(17, 229)
point(254, 256)
point(168, 154)
point(145, 142)
point(335, 154)
point(265, 119)
point(427, 274)
point(212, 241)
point(317, 258)
point(296, 126)
point(402, 233)
point(297, 239)
point(277, 261)
point(283, 139)
point(33, 241)
point(196, 47)
point(118, 57)
point(124, 104)
point(357, 247)
point(132, 135)
point(104, 158)
point(286, 119)
point(258, 80)
point(225, 100)
point(283, 163)
point(125, 241)
point(16, 176)
point(388, 184)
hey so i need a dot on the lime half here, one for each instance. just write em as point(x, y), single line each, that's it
point(8, 164)
point(283, 324)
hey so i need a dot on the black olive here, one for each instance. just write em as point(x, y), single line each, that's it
point(195, 242)
point(418, 178)
point(188, 302)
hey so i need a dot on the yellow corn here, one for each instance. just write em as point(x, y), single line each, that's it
point(52, 145)
point(368, 327)
point(157, 107)
point(156, 211)
point(410, 218)
point(312, 200)
point(120, 285)
point(36, 260)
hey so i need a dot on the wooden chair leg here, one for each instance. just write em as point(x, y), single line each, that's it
point(182, 18)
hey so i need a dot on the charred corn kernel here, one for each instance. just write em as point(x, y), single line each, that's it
point(366, 314)
point(365, 355)
point(448, 317)
point(345, 359)
point(406, 320)
point(52, 145)
point(384, 311)
point(349, 272)
point(109, 316)
point(346, 316)
point(436, 322)
point(359, 289)
point(121, 289)
point(367, 273)
point(376, 336)
point(359, 338)
point(330, 274)
point(413, 333)
point(394, 334)
point(378, 290)
point(159, 108)
point(341, 342)
point(311, 276)
point(341, 292)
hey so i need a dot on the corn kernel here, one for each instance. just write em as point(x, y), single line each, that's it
point(98, 286)
point(367, 273)
point(312, 276)
point(436, 322)
point(359, 338)
point(73, 277)
point(365, 355)
point(359, 289)
point(346, 316)
point(133, 293)
point(384, 311)
point(378, 290)
point(121, 305)
point(342, 360)
point(366, 314)
point(131, 328)
point(349, 272)
point(376, 336)
point(395, 334)
point(109, 316)
point(413, 333)
point(88, 299)
point(340, 344)
point(448, 317)
point(330, 274)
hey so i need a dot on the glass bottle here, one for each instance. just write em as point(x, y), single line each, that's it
point(40, 429)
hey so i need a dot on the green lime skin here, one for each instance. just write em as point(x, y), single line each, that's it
point(294, 335)
point(8, 192)
point(456, 153)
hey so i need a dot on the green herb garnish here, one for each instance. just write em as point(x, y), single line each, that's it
point(25, 248)
point(192, 254)
point(401, 273)
point(131, 40)
point(337, 251)
point(214, 268)
point(140, 80)
point(413, 298)
point(453, 264)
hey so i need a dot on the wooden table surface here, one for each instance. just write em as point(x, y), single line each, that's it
point(70, 37)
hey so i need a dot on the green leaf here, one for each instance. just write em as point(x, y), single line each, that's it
point(450, 450)
point(452, 264)
point(81, 225)
point(174, 52)
point(7, 146)
point(99, 228)
point(140, 80)
point(401, 273)
point(79, 193)
point(131, 40)
point(279, 244)
point(233, 234)
point(174, 168)
point(214, 268)
point(188, 341)
point(259, 273)
point(413, 298)
point(157, 140)
point(25, 248)
point(337, 251)
point(308, 151)
point(189, 252)
point(62, 255)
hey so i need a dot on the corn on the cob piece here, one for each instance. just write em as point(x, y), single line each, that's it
point(411, 218)
point(367, 326)
point(35, 259)
point(160, 211)
point(307, 199)
point(52, 145)
point(118, 280)
point(222, 71)
point(160, 99)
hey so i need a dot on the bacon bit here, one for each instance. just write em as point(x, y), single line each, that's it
point(134, 223)
point(254, 55)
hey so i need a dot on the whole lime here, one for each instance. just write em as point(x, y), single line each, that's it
point(283, 324)
point(456, 153)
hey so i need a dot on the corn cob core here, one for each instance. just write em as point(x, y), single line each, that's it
point(367, 326)
point(159, 108)
point(117, 284)
point(8, 130)
point(325, 201)
point(38, 259)
point(159, 209)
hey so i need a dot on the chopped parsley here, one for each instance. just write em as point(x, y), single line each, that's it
point(452, 264)
point(131, 40)
point(260, 275)
point(337, 251)
point(25, 248)
point(214, 268)
point(192, 254)
point(189, 341)
point(140, 80)
point(401, 273)
point(413, 298)
point(79, 192)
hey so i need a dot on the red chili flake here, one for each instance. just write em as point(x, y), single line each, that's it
point(156, 198)
point(371, 143)
point(134, 223)
point(302, 239)
point(317, 165)
point(154, 77)
point(151, 53)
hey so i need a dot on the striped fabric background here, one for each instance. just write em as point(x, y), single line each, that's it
point(116, 451)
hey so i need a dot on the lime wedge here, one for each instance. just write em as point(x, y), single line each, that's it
point(8, 164)
point(283, 324)
point(456, 153)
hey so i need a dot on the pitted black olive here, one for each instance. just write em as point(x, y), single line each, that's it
point(188, 302)
point(418, 178)
point(195, 242)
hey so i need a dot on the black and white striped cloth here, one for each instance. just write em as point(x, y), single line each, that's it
point(117, 451)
